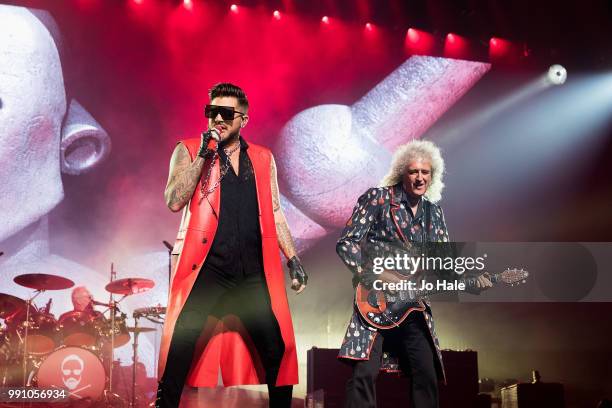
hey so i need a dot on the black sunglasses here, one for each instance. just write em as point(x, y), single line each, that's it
point(226, 112)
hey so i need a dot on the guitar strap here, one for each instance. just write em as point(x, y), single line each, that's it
point(425, 236)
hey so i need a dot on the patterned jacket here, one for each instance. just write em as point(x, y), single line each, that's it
point(381, 219)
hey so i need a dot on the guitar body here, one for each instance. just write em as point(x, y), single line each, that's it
point(386, 310)
point(383, 310)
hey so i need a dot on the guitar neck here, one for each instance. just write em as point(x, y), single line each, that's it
point(469, 283)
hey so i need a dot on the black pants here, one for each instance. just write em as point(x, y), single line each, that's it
point(248, 299)
point(411, 343)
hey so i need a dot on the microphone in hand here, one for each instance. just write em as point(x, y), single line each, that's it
point(209, 143)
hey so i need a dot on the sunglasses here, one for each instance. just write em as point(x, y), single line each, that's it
point(226, 112)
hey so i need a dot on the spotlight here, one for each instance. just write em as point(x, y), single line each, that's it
point(557, 74)
point(456, 46)
point(501, 49)
point(234, 8)
point(188, 4)
point(419, 42)
point(413, 36)
point(277, 14)
point(325, 20)
point(368, 26)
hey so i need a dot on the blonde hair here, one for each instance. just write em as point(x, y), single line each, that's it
point(415, 150)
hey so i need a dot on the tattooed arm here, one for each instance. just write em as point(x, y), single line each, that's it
point(183, 178)
point(299, 279)
point(285, 240)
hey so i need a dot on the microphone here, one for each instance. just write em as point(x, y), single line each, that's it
point(168, 245)
point(214, 136)
point(95, 302)
point(211, 138)
point(48, 305)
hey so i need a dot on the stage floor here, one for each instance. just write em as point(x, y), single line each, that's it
point(230, 397)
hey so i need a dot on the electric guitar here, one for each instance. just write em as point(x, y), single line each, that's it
point(386, 310)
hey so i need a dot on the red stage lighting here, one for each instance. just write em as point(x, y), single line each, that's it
point(499, 48)
point(419, 42)
point(369, 26)
point(277, 14)
point(325, 20)
point(234, 8)
point(456, 46)
point(188, 4)
point(138, 1)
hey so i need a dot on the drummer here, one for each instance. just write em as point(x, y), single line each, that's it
point(82, 300)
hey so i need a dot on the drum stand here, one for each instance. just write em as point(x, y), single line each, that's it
point(138, 315)
point(109, 396)
point(25, 336)
point(134, 363)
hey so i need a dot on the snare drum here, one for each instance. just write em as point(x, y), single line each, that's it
point(76, 369)
point(122, 336)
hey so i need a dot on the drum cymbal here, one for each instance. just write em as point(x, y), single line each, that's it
point(9, 305)
point(43, 281)
point(140, 329)
point(129, 286)
point(150, 311)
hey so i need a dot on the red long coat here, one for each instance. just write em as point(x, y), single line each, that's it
point(224, 344)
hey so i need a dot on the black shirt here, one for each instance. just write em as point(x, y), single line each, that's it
point(236, 249)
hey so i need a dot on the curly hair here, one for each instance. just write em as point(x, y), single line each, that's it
point(414, 150)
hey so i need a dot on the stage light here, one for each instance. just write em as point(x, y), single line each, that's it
point(557, 74)
point(138, 1)
point(325, 20)
point(456, 134)
point(500, 49)
point(188, 4)
point(234, 8)
point(419, 42)
point(369, 26)
point(277, 14)
point(413, 35)
point(456, 46)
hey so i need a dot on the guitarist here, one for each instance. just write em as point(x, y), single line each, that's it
point(401, 213)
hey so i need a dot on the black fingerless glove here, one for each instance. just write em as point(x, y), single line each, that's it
point(296, 271)
point(206, 136)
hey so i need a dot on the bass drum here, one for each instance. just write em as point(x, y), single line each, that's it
point(76, 369)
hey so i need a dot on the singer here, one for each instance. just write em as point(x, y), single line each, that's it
point(227, 305)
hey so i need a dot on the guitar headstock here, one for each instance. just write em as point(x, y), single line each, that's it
point(513, 276)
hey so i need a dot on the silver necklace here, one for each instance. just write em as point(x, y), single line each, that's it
point(222, 173)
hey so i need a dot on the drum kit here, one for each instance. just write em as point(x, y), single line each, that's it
point(76, 351)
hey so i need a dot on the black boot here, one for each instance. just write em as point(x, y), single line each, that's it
point(280, 397)
point(165, 397)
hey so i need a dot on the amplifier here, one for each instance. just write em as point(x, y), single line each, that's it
point(327, 376)
point(536, 395)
